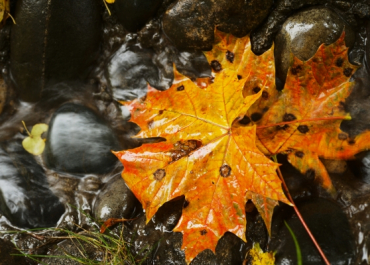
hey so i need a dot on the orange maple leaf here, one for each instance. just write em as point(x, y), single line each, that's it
point(312, 99)
point(208, 157)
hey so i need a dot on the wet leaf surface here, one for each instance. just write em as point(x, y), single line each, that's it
point(208, 157)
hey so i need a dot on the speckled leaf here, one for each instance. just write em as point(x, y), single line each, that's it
point(314, 89)
point(259, 71)
point(208, 157)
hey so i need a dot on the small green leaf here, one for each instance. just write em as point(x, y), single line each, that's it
point(34, 144)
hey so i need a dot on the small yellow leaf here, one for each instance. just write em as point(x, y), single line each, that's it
point(110, 1)
point(261, 258)
point(34, 144)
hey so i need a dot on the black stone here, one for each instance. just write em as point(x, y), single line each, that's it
point(115, 200)
point(361, 166)
point(327, 222)
point(61, 44)
point(135, 14)
point(79, 141)
point(190, 24)
point(25, 197)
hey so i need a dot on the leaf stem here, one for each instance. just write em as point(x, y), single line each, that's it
point(326, 261)
point(305, 120)
point(106, 6)
point(24, 125)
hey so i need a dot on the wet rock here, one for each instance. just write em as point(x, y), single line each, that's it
point(134, 14)
point(79, 141)
point(77, 248)
point(328, 224)
point(41, 55)
point(357, 104)
point(8, 252)
point(116, 200)
point(25, 197)
point(190, 24)
point(129, 71)
point(303, 33)
point(360, 166)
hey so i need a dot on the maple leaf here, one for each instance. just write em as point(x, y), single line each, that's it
point(208, 157)
point(315, 91)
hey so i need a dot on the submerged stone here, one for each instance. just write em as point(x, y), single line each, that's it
point(327, 222)
point(62, 43)
point(115, 200)
point(190, 24)
point(79, 141)
point(134, 14)
point(25, 197)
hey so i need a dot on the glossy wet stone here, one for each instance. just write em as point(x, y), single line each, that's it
point(25, 197)
point(361, 166)
point(303, 33)
point(132, 67)
point(328, 224)
point(134, 14)
point(41, 55)
point(190, 24)
point(79, 141)
point(357, 104)
point(115, 200)
point(263, 37)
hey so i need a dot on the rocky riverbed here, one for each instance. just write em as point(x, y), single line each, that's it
point(68, 65)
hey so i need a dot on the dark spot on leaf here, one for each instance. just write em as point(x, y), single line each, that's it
point(351, 142)
point(212, 79)
point(256, 116)
point(186, 203)
point(230, 56)
point(314, 60)
point(213, 182)
point(342, 105)
point(295, 70)
point(310, 174)
point(299, 154)
point(245, 121)
point(180, 88)
point(159, 174)
point(256, 89)
point(150, 124)
point(160, 112)
point(265, 95)
point(282, 127)
point(303, 128)
point(203, 232)
point(347, 72)
point(184, 148)
point(225, 171)
point(265, 109)
point(339, 62)
point(216, 66)
point(239, 77)
point(342, 136)
point(289, 117)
